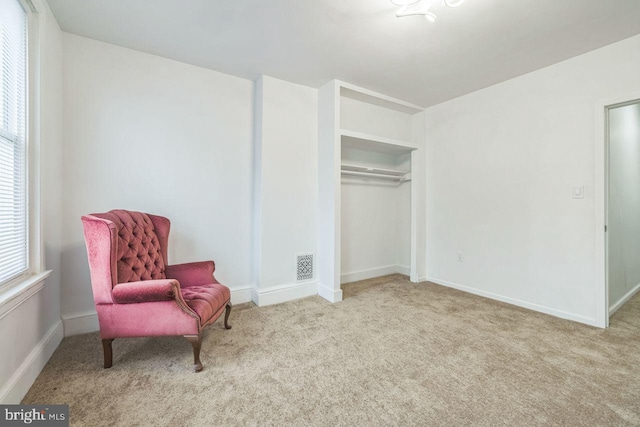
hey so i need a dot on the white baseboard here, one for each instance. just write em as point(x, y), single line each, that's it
point(241, 295)
point(374, 272)
point(422, 279)
point(283, 293)
point(329, 294)
point(80, 323)
point(531, 306)
point(403, 269)
point(624, 299)
point(23, 378)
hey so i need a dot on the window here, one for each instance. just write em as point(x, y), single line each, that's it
point(14, 223)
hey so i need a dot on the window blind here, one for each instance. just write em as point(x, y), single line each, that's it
point(14, 231)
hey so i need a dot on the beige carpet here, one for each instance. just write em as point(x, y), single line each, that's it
point(392, 353)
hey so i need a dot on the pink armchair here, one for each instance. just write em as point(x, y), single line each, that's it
point(136, 292)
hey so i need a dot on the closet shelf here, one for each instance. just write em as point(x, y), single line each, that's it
point(380, 144)
point(348, 90)
point(373, 172)
point(371, 169)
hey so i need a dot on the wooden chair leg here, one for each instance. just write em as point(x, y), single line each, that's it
point(196, 343)
point(108, 352)
point(226, 316)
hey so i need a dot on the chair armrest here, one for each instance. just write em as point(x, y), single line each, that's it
point(192, 273)
point(146, 291)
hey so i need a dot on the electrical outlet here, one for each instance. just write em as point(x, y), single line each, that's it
point(459, 256)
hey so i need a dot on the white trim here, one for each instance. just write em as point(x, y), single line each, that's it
point(403, 269)
point(330, 294)
point(257, 179)
point(356, 276)
point(600, 203)
point(241, 295)
point(329, 186)
point(23, 378)
point(34, 184)
point(531, 306)
point(615, 307)
point(255, 298)
point(284, 293)
point(414, 200)
point(14, 295)
point(80, 323)
point(423, 279)
point(413, 268)
point(599, 195)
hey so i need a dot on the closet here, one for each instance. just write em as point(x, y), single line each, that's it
point(369, 184)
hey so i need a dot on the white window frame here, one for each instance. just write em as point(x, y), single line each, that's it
point(16, 290)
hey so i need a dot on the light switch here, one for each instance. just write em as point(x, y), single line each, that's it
point(578, 192)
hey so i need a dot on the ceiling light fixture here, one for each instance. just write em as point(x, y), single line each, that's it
point(422, 7)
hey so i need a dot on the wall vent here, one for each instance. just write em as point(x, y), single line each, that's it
point(304, 267)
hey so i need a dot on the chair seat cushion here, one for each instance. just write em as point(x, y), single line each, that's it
point(206, 300)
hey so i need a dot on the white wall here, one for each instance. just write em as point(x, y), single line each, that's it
point(501, 164)
point(624, 204)
point(151, 134)
point(286, 166)
point(373, 119)
point(32, 330)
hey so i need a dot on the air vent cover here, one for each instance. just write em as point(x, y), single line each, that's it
point(304, 267)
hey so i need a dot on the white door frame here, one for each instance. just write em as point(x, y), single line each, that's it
point(413, 273)
point(601, 197)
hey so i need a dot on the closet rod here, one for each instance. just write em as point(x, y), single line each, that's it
point(376, 175)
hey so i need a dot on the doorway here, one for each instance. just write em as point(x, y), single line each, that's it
point(622, 212)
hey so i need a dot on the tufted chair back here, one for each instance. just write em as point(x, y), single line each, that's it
point(139, 255)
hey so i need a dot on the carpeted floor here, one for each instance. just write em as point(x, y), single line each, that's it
point(392, 353)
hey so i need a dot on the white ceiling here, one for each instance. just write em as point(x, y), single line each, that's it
point(361, 42)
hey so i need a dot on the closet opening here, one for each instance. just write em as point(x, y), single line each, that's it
point(371, 188)
point(375, 214)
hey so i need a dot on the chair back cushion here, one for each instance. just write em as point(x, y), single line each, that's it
point(138, 255)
